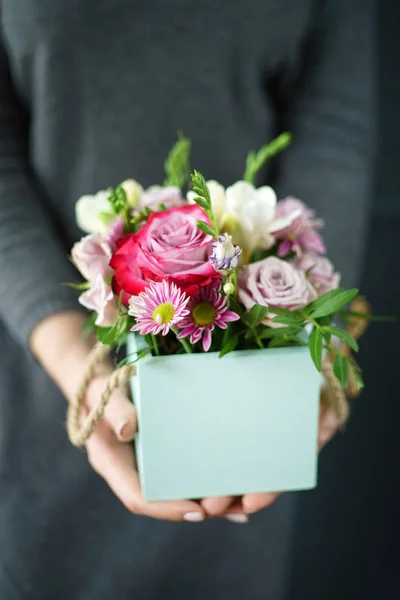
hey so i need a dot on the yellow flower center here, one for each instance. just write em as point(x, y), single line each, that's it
point(163, 313)
point(203, 313)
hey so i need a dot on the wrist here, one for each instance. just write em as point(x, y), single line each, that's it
point(63, 349)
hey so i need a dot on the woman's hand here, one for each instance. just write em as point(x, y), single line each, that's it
point(64, 353)
point(251, 503)
point(111, 455)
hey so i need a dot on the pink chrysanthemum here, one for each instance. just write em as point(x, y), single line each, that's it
point(161, 306)
point(206, 311)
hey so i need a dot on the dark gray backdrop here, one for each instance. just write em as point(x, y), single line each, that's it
point(347, 531)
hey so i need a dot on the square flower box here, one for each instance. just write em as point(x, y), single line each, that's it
point(244, 423)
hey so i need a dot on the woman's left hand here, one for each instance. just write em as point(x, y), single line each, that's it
point(238, 509)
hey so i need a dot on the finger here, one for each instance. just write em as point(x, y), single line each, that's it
point(254, 502)
point(115, 462)
point(119, 413)
point(217, 506)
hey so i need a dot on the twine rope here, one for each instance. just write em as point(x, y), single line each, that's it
point(79, 432)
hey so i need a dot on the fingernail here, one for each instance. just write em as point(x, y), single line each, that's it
point(119, 430)
point(193, 517)
point(237, 518)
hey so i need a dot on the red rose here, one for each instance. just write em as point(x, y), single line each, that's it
point(169, 246)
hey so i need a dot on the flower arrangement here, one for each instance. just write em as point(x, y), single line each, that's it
point(216, 270)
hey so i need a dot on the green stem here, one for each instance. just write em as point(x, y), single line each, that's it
point(155, 345)
point(213, 222)
point(184, 342)
point(258, 340)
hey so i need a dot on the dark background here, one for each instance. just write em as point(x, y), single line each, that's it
point(347, 531)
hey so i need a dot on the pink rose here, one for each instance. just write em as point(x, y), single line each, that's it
point(91, 256)
point(301, 235)
point(100, 298)
point(115, 232)
point(168, 247)
point(274, 282)
point(320, 271)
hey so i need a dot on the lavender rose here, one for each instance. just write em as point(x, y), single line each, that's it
point(273, 282)
point(301, 235)
point(155, 195)
point(320, 271)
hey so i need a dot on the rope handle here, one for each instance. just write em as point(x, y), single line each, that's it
point(79, 432)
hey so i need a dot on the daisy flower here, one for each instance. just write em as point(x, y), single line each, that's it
point(161, 306)
point(206, 311)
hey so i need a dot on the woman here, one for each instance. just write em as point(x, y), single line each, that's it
point(91, 93)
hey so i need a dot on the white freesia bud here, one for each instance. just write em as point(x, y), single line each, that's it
point(133, 191)
point(225, 255)
point(93, 212)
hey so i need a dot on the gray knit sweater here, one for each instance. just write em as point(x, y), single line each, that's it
point(93, 92)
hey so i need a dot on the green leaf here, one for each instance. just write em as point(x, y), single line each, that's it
point(323, 321)
point(288, 320)
point(118, 200)
point(177, 165)
point(256, 160)
point(279, 342)
point(341, 369)
point(343, 335)
point(200, 186)
point(237, 308)
point(358, 378)
point(372, 318)
point(84, 285)
point(271, 332)
point(315, 345)
point(229, 346)
point(206, 228)
point(115, 334)
point(256, 315)
point(202, 202)
point(330, 303)
point(89, 326)
point(138, 355)
point(281, 311)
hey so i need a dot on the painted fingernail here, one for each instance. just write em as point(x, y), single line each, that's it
point(121, 431)
point(237, 518)
point(193, 517)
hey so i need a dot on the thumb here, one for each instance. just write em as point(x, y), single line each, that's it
point(119, 413)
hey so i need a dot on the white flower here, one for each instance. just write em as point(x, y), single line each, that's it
point(247, 213)
point(133, 191)
point(93, 212)
point(254, 211)
point(217, 194)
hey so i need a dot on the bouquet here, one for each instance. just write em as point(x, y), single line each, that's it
point(230, 310)
point(218, 270)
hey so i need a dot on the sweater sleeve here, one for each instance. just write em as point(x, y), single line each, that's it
point(33, 261)
point(329, 164)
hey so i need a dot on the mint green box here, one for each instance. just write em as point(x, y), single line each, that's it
point(209, 426)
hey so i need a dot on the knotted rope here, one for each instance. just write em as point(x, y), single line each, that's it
point(79, 432)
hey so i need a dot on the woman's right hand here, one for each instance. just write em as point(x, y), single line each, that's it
point(111, 454)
